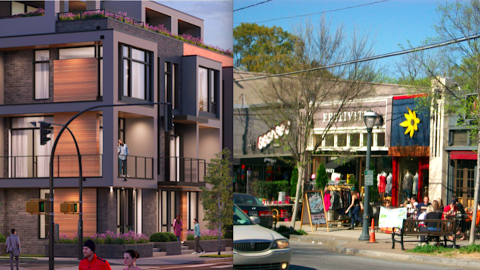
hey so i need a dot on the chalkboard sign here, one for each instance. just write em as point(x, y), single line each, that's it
point(313, 210)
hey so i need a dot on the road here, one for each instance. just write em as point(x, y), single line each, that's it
point(30, 265)
point(308, 256)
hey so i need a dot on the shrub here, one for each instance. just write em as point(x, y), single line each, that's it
point(107, 238)
point(282, 228)
point(171, 236)
point(2, 238)
point(190, 236)
point(160, 237)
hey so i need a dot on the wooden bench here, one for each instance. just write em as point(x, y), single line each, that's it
point(411, 227)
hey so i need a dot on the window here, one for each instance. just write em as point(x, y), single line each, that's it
point(42, 74)
point(171, 87)
point(207, 90)
point(380, 139)
point(365, 138)
point(460, 137)
point(20, 8)
point(136, 73)
point(354, 140)
point(329, 140)
point(341, 140)
point(192, 204)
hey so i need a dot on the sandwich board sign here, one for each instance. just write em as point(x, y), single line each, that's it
point(313, 210)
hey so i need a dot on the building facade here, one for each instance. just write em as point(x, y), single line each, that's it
point(66, 60)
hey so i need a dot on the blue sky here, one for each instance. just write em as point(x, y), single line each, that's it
point(217, 16)
point(389, 23)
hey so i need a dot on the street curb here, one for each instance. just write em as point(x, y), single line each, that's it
point(76, 261)
point(389, 256)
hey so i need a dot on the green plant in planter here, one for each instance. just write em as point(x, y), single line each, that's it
point(190, 237)
point(160, 237)
point(171, 236)
point(2, 238)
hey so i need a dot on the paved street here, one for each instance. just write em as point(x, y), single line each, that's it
point(42, 266)
point(307, 256)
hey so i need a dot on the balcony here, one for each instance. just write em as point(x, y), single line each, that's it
point(183, 170)
point(137, 167)
point(14, 167)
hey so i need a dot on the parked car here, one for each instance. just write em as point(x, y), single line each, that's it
point(253, 207)
point(256, 247)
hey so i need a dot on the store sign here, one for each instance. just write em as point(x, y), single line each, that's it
point(330, 170)
point(264, 141)
point(392, 218)
point(351, 116)
point(411, 122)
point(270, 160)
point(343, 116)
point(368, 178)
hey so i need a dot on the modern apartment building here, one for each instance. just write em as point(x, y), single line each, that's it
point(72, 55)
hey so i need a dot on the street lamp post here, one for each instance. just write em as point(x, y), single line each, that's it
point(369, 117)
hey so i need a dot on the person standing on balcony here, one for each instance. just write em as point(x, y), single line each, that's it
point(196, 234)
point(13, 247)
point(122, 158)
point(177, 227)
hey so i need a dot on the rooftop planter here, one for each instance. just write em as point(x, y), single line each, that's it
point(38, 12)
point(122, 16)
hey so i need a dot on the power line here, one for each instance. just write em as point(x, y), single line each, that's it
point(417, 49)
point(310, 14)
point(252, 5)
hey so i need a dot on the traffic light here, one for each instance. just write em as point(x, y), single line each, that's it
point(45, 129)
point(38, 206)
point(168, 117)
point(68, 207)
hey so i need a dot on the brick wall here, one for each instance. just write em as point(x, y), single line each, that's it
point(81, 25)
point(106, 210)
point(149, 212)
point(19, 77)
point(14, 216)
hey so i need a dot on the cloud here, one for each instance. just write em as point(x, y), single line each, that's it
point(217, 16)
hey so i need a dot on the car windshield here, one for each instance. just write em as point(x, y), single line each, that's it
point(245, 199)
point(240, 218)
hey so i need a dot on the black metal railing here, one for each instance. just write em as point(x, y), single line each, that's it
point(184, 169)
point(136, 167)
point(39, 166)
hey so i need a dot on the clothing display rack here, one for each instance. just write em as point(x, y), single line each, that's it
point(340, 200)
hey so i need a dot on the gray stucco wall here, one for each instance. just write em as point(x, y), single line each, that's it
point(149, 212)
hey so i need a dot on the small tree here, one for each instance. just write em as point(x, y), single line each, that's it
point(217, 196)
point(321, 178)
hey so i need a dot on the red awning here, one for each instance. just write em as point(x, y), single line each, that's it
point(469, 155)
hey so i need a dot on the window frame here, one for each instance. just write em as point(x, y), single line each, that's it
point(35, 63)
point(147, 64)
point(212, 102)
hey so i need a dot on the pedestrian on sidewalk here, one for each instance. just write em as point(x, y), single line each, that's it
point(356, 206)
point(196, 234)
point(130, 258)
point(91, 261)
point(177, 227)
point(13, 247)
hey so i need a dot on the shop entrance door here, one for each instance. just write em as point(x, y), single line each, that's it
point(410, 165)
point(464, 182)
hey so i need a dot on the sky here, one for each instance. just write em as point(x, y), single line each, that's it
point(217, 16)
point(389, 23)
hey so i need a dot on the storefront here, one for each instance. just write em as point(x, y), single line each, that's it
point(409, 149)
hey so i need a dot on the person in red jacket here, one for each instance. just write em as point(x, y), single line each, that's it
point(91, 261)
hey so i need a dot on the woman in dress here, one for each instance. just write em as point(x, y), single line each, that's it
point(177, 227)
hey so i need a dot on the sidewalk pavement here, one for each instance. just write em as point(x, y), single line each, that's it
point(163, 260)
point(346, 241)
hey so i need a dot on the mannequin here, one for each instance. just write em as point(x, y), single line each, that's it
point(415, 184)
point(407, 185)
point(388, 189)
point(382, 183)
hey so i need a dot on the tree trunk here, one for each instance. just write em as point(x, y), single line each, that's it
point(219, 227)
point(475, 199)
point(297, 195)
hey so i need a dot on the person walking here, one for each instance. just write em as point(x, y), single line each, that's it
point(177, 227)
point(355, 210)
point(130, 258)
point(91, 260)
point(13, 247)
point(122, 158)
point(196, 234)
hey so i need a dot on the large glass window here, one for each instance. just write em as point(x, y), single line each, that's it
point(192, 204)
point(341, 140)
point(207, 90)
point(42, 74)
point(380, 139)
point(355, 140)
point(136, 73)
point(329, 140)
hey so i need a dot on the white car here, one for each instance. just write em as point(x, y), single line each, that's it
point(256, 247)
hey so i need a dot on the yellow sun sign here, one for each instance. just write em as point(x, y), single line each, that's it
point(411, 122)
